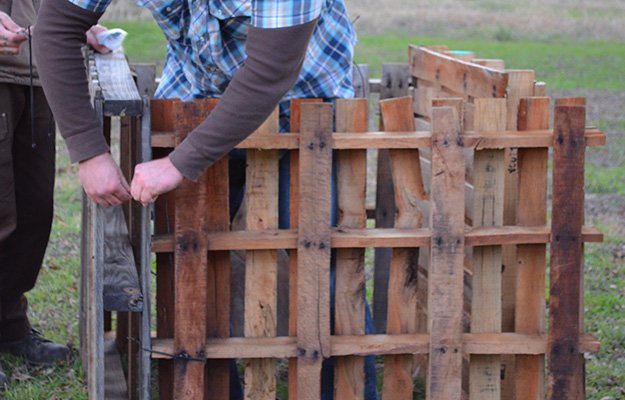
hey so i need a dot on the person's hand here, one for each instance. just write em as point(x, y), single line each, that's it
point(93, 41)
point(11, 35)
point(103, 181)
point(154, 178)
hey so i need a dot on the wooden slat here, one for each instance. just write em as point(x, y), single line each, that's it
point(349, 382)
point(488, 181)
point(361, 345)
point(261, 266)
point(217, 372)
point(296, 108)
point(115, 387)
point(120, 281)
point(531, 259)
point(313, 280)
point(117, 86)
point(566, 367)
point(445, 277)
point(394, 83)
point(360, 80)
point(190, 266)
point(520, 84)
point(362, 238)
point(402, 286)
point(402, 140)
point(459, 76)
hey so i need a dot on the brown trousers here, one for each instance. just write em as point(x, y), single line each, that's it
point(26, 201)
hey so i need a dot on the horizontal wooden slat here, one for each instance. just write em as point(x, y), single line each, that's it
point(400, 140)
point(363, 238)
point(286, 346)
point(457, 75)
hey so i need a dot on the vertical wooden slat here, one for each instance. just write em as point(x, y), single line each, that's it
point(445, 289)
point(531, 259)
point(217, 372)
point(190, 276)
point(520, 84)
point(394, 83)
point(351, 116)
point(402, 288)
point(313, 286)
point(162, 114)
point(296, 108)
point(488, 192)
point(261, 269)
point(566, 366)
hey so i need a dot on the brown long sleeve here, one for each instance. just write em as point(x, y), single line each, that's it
point(57, 43)
point(274, 60)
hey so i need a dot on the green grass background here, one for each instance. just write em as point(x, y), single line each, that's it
point(564, 65)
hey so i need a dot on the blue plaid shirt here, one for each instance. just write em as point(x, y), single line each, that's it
point(206, 43)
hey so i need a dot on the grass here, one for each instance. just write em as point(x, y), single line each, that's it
point(590, 65)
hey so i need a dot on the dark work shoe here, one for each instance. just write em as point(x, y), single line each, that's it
point(35, 349)
point(3, 378)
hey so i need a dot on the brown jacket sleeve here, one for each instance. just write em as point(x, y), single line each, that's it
point(274, 60)
point(57, 42)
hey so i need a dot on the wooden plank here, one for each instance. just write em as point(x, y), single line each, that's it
point(115, 387)
point(394, 83)
point(402, 287)
point(445, 277)
point(261, 266)
point(118, 89)
point(566, 367)
point(403, 140)
point(217, 372)
point(531, 259)
point(349, 381)
point(190, 266)
point(497, 64)
point(362, 345)
point(313, 280)
point(372, 237)
point(296, 108)
point(520, 84)
point(488, 207)
point(360, 79)
point(459, 76)
point(121, 289)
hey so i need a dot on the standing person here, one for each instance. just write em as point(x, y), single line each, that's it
point(27, 153)
point(254, 55)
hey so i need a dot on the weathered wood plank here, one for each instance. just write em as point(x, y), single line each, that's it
point(261, 266)
point(217, 372)
point(445, 277)
point(566, 367)
point(296, 108)
point(394, 83)
point(351, 116)
point(459, 76)
point(488, 207)
point(313, 281)
point(190, 263)
point(531, 259)
point(370, 237)
point(402, 288)
point(119, 92)
point(520, 84)
point(121, 289)
point(115, 387)
point(402, 140)
point(361, 345)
